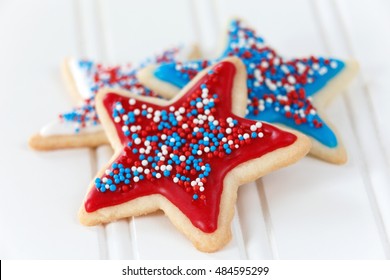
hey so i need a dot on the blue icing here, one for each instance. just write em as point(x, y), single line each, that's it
point(321, 81)
point(310, 74)
point(168, 73)
point(323, 134)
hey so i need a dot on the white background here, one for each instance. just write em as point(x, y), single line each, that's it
point(312, 210)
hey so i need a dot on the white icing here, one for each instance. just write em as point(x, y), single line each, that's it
point(59, 127)
point(80, 79)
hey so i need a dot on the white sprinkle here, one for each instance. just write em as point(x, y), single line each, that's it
point(182, 110)
point(158, 175)
point(229, 119)
point(117, 119)
point(169, 167)
point(291, 79)
point(144, 162)
point(228, 130)
point(270, 85)
point(105, 179)
point(206, 149)
point(125, 117)
point(164, 137)
point(253, 127)
point(137, 112)
point(260, 134)
point(246, 136)
point(182, 158)
point(259, 124)
point(146, 171)
point(224, 139)
point(201, 189)
point(171, 108)
point(333, 64)
point(136, 179)
point(199, 152)
point(137, 141)
point(140, 169)
point(285, 69)
point(323, 71)
point(175, 180)
point(257, 73)
point(301, 67)
point(131, 101)
point(125, 128)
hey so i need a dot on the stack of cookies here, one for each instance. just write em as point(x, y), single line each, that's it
point(187, 132)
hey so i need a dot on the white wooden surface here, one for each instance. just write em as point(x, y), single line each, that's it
point(312, 210)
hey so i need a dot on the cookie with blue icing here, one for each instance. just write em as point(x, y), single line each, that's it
point(289, 92)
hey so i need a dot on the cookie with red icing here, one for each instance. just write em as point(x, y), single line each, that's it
point(290, 92)
point(80, 127)
point(186, 156)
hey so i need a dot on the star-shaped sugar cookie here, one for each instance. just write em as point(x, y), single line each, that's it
point(186, 156)
point(81, 127)
point(284, 91)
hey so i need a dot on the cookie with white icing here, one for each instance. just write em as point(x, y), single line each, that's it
point(186, 156)
point(290, 92)
point(81, 127)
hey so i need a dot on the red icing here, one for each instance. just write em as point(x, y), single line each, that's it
point(202, 212)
